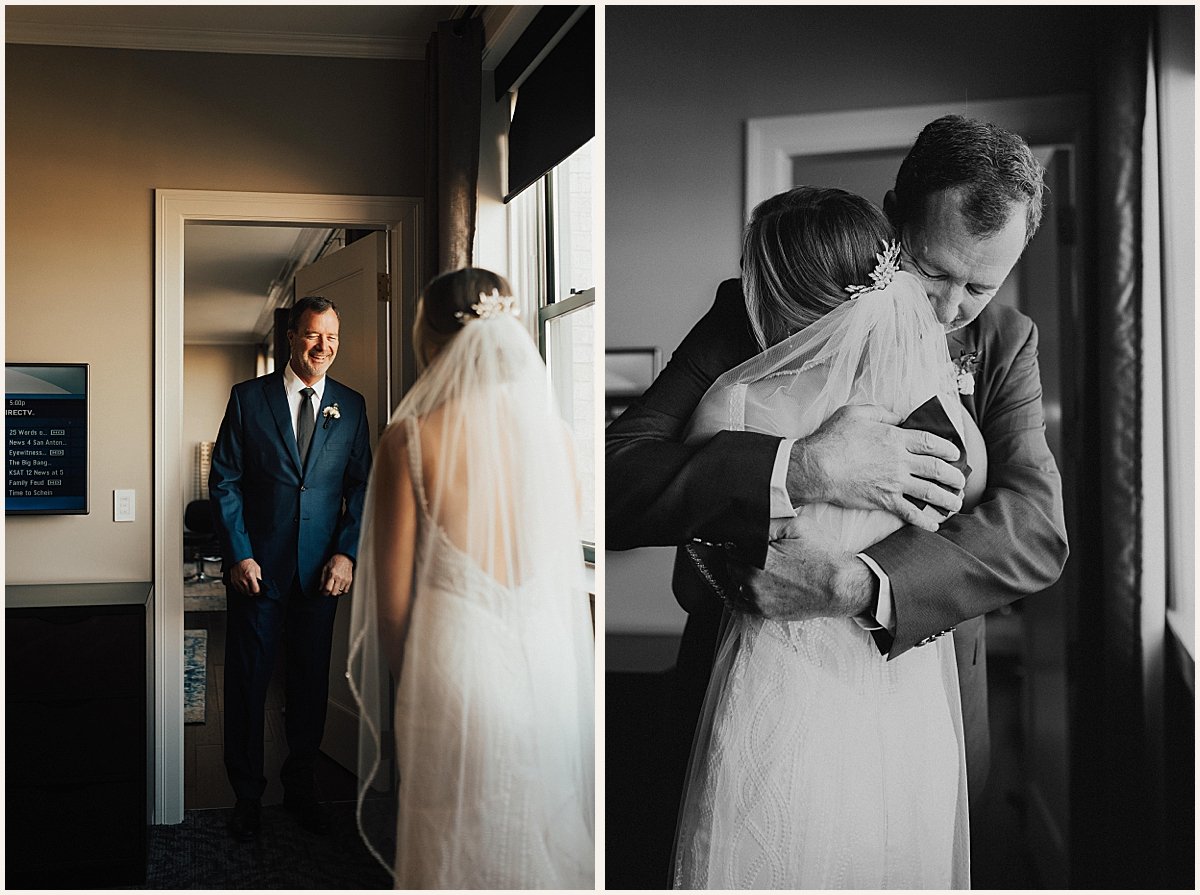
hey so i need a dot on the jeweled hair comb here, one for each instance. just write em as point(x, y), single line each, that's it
point(490, 305)
point(885, 270)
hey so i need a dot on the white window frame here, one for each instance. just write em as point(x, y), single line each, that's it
point(535, 265)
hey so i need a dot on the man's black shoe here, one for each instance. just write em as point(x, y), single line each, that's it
point(309, 813)
point(246, 820)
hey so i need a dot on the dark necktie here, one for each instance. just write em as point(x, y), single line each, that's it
point(305, 423)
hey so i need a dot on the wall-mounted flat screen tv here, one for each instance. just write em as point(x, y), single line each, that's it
point(46, 408)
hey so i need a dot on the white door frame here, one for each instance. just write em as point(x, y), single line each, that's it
point(771, 143)
point(173, 209)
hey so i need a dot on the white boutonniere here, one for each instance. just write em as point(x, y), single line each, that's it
point(330, 413)
point(965, 369)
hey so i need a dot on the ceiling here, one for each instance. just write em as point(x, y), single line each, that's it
point(397, 32)
point(380, 32)
point(230, 277)
point(229, 270)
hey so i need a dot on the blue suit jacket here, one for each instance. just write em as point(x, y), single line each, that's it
point(267, 507)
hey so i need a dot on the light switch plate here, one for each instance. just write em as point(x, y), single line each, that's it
point(124, 508)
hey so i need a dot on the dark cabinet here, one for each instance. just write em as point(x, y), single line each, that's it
point(75, 735)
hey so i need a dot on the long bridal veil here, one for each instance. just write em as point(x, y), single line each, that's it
point(818, 763)
point(494, 705)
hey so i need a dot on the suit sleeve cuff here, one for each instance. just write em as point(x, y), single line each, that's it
point(885, 610)
point(781, 504)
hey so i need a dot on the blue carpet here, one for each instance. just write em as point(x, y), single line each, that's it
point(195, 675)
point(198, 853)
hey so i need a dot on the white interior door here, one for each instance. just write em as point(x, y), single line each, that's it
point(355, 279)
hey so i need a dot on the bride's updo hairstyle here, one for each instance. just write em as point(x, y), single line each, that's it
point(801, 250)
point(445, 307)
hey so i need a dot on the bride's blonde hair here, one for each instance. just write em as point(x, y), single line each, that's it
point(445, 306)
point(800, 251)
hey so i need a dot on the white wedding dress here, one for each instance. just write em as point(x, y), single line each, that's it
point(818, 763)
point(494, 704)
point(487, 728)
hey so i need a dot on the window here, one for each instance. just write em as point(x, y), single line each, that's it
point(1174, 84)
point(552, 226)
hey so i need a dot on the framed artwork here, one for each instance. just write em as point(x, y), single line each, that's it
point(628, 372)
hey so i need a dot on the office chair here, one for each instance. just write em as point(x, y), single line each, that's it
point(200, 544)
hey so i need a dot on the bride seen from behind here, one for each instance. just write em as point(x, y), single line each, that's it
point(470, 590)
point(819, 763)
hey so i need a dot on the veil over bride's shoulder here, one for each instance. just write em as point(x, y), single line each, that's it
point(499, 611)
point(883, 346)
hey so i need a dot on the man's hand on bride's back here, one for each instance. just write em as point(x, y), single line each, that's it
point(807, 574)
point(860, 458)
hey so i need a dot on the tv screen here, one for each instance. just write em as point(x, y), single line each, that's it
point(46, 406)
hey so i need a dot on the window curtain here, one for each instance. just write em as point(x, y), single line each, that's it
point(453, 77)
point(1119, 834)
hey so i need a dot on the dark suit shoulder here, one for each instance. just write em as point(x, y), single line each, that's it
point(343, 389)
point(730, 301)
point(999, 334)
point(1004, 323)
point(258, 383)
point(722, 338)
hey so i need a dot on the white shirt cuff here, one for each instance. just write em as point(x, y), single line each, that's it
point(781, 507)
point(781, 504)
point(885, 609)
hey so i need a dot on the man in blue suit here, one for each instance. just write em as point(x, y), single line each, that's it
point(288, 482)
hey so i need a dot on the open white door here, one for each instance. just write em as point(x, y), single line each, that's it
point(356, 280)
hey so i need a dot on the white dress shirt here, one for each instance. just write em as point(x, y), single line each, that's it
point(781, 507)
point(292, 385)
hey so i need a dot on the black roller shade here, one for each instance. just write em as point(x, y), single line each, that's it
point(556, 105)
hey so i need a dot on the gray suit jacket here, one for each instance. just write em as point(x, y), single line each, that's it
point(662, 492)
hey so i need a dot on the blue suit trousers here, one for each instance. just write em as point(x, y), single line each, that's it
point(256, 625)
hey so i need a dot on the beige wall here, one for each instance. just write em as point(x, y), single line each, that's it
point(209, 372)
point(678, 90)
point(90, 135)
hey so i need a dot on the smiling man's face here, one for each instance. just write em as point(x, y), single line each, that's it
point(314, 345)
point(961, 272)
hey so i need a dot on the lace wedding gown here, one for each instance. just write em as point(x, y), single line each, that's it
point(487, 726)
point(472, 502)
point(818, 763)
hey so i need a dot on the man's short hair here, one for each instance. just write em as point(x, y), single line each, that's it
point(314, 303)
point(995, 169)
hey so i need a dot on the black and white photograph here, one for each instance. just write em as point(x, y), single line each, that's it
point(899, 567)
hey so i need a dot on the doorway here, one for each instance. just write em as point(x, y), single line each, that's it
point(239, 281)
point(175, 209)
